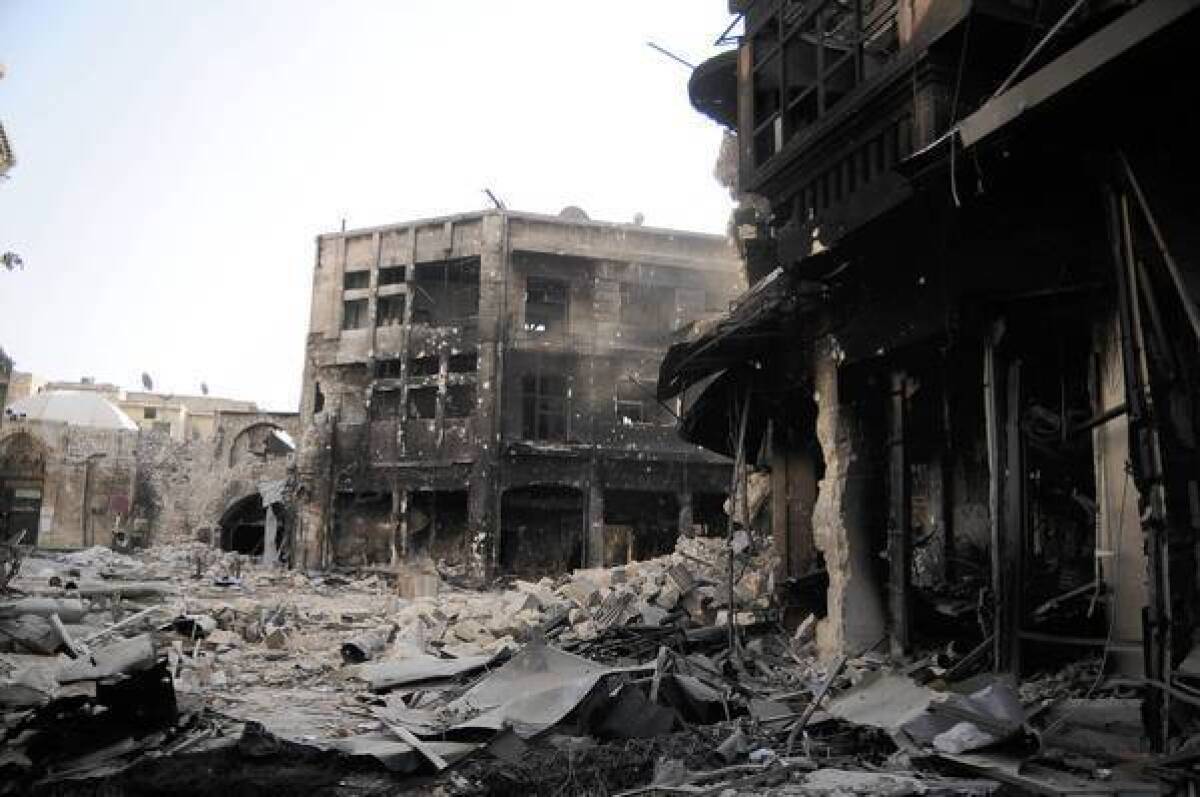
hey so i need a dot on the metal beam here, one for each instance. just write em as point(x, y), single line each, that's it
point(1094, 52)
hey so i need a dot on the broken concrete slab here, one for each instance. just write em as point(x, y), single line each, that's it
point(126, 656)
point(391, 674)
point(68, 610)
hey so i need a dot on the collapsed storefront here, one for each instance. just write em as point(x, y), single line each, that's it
point(972, 373)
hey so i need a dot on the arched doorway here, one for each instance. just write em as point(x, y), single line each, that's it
point(22, 474)
point(244, 526)
point(542, 529)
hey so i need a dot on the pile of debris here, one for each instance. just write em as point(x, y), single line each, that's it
point(645, 678)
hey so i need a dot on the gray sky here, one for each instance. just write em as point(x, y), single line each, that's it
point(176, 159)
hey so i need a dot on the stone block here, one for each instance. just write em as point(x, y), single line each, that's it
point(667, 597)
point(523, 601)
point(582, 592)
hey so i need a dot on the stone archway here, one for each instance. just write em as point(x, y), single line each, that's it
point(262, 441)
point(22, 480)
point(245, 523)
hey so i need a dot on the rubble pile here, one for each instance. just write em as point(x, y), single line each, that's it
point(631, 679)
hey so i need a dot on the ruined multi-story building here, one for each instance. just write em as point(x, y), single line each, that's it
point(972, 344)
point(480, 389)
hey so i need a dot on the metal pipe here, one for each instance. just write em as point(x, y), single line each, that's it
point(1101, 419)
point(1189, 307)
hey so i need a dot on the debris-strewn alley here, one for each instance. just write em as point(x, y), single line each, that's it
point(205, 671)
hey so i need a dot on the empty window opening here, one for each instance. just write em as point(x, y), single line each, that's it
point(465, 363)
point(390, 368)
point(422, 403)
point(447, 292)
point(423, 366)
point(650, 307)
point(437, 525)
point(635, 403)
point(638, 525)
point(356, 280)
point(318, 398)
point(150, 413)
point(546, 302)
point(385, 405)
point(392, 275)
point(354, 314)
point(389, 311)
point(541, 530)
point(460, 401)
point(544, 406)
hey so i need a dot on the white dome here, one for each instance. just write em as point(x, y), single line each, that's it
point(74, 407)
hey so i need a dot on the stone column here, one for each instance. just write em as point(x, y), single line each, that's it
point(684, 498)
point(270, 528)
point(594, 527)
point(840, 521)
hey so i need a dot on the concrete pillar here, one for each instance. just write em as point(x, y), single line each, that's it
point(840, 521)
point(1120, 544)
point(483, 519)
point(684, 498)
point(594, 524)
point(270, 557)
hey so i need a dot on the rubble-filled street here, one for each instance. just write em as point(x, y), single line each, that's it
point(207, 671)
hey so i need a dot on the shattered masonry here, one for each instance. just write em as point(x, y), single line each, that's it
point(479, 390)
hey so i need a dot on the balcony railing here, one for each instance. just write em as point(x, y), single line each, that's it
point(807, 56)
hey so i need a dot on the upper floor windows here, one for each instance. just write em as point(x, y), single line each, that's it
point(546, 303)
point(356, 280)
point(389, 310)
point(354, 314)
point(392, 275)
point(807, 57)
point(544, 402)
point(446, 292)
point(648, 307)
point(636, 404)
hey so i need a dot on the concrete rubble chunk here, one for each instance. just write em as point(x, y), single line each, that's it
point(522, 601)
point(68, 610)
point(582, 591)
point(667, 598)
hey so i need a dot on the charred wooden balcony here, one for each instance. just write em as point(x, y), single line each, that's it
point(831, 95)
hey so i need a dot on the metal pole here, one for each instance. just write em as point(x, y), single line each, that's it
point(739, 462)
point(1189, 307)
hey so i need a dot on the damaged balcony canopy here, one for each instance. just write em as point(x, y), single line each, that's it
point(717, 363)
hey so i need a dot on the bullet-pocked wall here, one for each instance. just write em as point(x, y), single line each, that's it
point(459, 370)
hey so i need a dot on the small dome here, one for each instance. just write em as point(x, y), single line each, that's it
point(573, 213)
point(73, 407)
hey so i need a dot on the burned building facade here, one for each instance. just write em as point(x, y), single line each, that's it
point(970, 353)
point(479, 390)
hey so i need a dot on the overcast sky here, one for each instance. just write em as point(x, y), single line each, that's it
point(176, 159)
